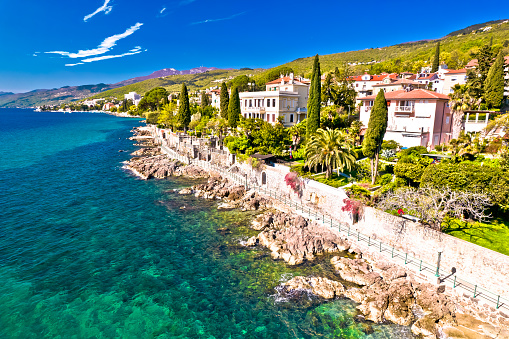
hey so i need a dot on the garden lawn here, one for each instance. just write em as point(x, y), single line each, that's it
point(334, 180)
point(494, 235)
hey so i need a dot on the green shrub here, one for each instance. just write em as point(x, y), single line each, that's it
point(384, 179)
point(152, 118)
point(390, 145)
point(470, 176)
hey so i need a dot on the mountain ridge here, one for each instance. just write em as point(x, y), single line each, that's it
point(56, 96)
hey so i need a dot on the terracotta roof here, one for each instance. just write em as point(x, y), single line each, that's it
point(287, 81)
point(456, 71)
point(375, 77)
point(474, 63)
point(415, 94)
point(399, 82)
point(429, 76)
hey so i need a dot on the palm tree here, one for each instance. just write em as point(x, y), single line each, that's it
point(460, 101)
point(330, 149)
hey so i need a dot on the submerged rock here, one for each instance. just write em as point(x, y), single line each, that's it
point(322, 287)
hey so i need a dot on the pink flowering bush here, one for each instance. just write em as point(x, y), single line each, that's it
point(292, 179)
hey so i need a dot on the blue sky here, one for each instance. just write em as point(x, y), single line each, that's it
point(121, 39)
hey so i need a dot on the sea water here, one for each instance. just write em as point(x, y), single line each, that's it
point(87, 250)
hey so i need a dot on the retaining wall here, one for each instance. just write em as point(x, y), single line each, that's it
point(481, 266)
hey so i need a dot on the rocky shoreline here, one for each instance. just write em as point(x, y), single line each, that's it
point(384, 292)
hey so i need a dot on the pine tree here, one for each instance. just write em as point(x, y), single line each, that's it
point(184, 113)
point(224, 100)
point(436, 61)
point(494, 85)
point(234, 109)
point(374, 136)
point(314, 100)
point(204, 100)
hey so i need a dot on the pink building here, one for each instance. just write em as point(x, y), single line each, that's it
point(416, 118)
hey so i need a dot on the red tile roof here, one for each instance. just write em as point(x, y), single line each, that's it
point(399, 82)
point(473, 63)
point(287, 81)
point(415, 94)
point(456, 71)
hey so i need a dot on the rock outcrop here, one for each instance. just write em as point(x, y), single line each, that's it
point(159, 166)
point(322, 287)
point(294, 239)
point(234, 196)
point(390, 295)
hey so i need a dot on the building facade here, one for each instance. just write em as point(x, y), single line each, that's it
point(284, 99)
point(416, 117)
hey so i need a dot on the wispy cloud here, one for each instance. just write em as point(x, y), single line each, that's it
point(186, 2)
point(103, 48)
point(104, 8)
point(215, 20)
point(162, 10)
point(133, 51)
point(76, 64)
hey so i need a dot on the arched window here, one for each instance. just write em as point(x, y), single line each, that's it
point(264, 178)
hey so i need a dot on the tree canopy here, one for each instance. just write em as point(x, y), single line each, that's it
point(314, 100)
point(375, 132)
point(234, 109)
point(224, 101)
point(494, 86)
point(184, 112)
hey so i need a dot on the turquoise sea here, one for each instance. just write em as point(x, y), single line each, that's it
point(89, 251)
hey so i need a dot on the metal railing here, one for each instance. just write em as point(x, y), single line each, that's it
point(418, 265)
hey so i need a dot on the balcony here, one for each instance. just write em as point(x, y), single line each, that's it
point(405, 109)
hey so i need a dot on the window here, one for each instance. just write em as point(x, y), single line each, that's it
point(273, 116)
point(245, 103)
point(436, 139)
point(284, 103)
point(250, 103)
point(268, 102)
point(273, 104)
point(291, 117)
point(447, 120)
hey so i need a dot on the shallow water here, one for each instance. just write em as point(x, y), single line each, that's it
point(89, 251)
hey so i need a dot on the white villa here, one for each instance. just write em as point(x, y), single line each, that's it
point(416, 117)
point(363, 84)
point(284, 98)
point(134, 97)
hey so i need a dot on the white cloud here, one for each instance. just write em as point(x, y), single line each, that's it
point(162, 10)
point(70, 65)
point(104, 8)
point(214, 20)
point(103, 48)
point(134, 51)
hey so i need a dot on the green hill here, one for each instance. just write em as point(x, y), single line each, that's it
point(456, 50)
point(173, 82)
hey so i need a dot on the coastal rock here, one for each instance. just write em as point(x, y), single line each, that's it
point(192, 171)
point(186, 191)
point(322, 287)
point(357, 271)
point(147, 152)
point(294, 239)
point(158, 166)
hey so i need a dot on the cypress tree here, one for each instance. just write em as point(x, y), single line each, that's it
point(184, 113)
point(234, 109)
point(314, 100)
point(494, 86)
point(204, 100)
point(436, 61)
point(224, 101)
point(374, 136)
